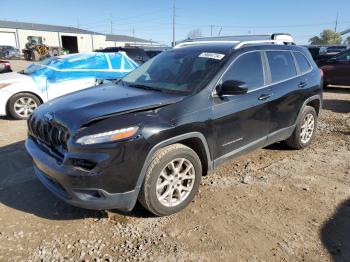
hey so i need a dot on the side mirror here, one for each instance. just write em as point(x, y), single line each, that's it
point(232, 87)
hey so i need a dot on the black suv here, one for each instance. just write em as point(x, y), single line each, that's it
point(135, 53)
point(152, 135)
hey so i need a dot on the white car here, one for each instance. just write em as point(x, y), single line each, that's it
point(21, 93)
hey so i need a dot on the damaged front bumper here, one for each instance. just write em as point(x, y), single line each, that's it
point(61, 180)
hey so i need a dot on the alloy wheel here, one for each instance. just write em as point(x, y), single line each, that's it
point(175, 182)
point(307, 128)
point(25, 106)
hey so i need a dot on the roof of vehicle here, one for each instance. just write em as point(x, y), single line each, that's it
point(218, 47)
point(226, 47)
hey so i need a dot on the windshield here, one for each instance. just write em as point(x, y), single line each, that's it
point(178, 70)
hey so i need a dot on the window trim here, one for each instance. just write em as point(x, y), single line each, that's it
point(263, 64)
point(297, 64)
point(269, 67)
point(266, 67)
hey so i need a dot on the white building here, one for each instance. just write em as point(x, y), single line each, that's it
point(70, 38)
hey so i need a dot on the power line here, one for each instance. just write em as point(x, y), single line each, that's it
point(260, 26)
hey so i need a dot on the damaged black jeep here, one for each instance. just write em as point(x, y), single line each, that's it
point(152, 135)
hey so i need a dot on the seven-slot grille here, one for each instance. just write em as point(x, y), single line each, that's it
point(50, 133)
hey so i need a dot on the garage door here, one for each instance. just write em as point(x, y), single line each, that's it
point(8, 39)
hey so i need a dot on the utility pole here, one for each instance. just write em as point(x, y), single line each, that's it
point(220, 31)
point(133, 35)
point(78, 24)
point(336, 23)
point(174, 24)
point(111, 17)
point(211, 30)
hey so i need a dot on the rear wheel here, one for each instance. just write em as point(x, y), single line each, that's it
point(35, 55)
point(305, 129)
point(171, 181)
point(22, 105)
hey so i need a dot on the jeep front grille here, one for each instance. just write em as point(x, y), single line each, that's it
point(50, 133)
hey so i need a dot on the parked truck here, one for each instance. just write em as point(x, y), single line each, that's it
point(36, 50)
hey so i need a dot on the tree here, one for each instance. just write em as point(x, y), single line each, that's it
point(194, 34)
point(327, 37)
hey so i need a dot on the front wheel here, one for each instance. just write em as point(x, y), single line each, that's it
point(305, 129)
point(172, 180)
point(22, 105)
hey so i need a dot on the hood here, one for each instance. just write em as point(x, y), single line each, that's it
point(80, 108)
point(13, 77)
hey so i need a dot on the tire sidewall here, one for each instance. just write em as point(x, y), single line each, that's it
point(191, 156)
point(12, 101)
point(307, 110)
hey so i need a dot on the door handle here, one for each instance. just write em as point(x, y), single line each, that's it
point(302, 84)
point(264, 97)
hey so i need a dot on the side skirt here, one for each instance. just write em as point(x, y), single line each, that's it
point(274, 137)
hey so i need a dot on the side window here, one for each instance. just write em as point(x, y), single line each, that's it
point(281, 64)
point(115, 59)
point(343, 57)
point(92, 62)
point(303, 63)
point(248, 69)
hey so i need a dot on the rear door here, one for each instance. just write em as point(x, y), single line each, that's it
point(242, 121)
point(340, 69)
point(287, 86)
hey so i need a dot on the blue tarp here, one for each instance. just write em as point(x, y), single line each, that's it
point(102, 66)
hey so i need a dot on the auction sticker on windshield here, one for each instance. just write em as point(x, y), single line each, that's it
point(215, 56)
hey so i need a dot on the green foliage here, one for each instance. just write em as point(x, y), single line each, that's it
point(327, 37)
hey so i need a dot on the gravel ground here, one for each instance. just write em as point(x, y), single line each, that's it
point(274, 204)
point(19, 64)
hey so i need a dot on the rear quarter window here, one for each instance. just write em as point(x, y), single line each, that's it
point(302, 62)
point(282, 65)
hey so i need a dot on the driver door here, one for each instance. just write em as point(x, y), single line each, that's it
point(242, 121)
point(341, 70)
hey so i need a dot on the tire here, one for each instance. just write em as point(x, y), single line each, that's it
point(26, 56)
point(297, 140)
point(151, 199)
point(35, 55)
point(15, 102)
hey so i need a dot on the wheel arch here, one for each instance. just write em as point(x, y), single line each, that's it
point(194, 140)
point(313, 101)
point(22, 92)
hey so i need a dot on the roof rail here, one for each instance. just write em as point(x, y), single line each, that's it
point(241, 40)
point(203, 42)
point(243, 43)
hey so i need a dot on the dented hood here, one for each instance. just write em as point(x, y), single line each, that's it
point(80, 108)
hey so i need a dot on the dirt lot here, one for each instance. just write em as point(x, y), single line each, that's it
point(18, 65)
point(274, 204)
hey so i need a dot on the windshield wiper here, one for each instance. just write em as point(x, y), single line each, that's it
point(146, 87)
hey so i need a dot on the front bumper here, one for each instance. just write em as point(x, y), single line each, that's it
point(61, 180)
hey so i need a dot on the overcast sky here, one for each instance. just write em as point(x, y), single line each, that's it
point(153, 19)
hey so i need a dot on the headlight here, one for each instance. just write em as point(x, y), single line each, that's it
point(3, 85)
point(110, 136)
